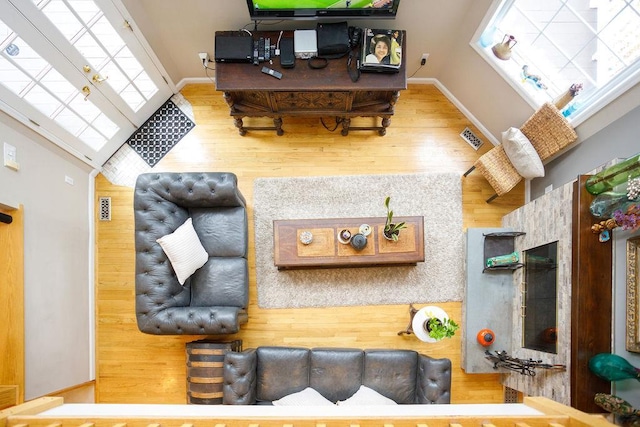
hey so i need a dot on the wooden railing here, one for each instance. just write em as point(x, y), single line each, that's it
point(554, 415)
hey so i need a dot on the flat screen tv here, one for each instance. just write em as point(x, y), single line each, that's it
point(316, 9)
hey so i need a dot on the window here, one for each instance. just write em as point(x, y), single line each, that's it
point(542, 48)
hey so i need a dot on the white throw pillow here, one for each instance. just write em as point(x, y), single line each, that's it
point(366, 396)
point(522, 154)
point(184, 250)
point(306, 397)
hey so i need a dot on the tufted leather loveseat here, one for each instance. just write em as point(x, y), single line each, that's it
point(214, 299)
point(265, 374)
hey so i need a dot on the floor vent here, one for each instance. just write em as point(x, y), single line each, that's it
point(510, 395)
point(471, 138)
point(105, 208)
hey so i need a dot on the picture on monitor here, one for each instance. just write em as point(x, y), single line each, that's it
point(300, 9)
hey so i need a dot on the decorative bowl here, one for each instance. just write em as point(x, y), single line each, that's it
point(306, 237)
point(344, 236)
point(365, 229)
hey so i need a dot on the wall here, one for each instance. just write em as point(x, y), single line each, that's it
point(627, 389)
point(618, 140)
point(177, 31)
point(57, 293)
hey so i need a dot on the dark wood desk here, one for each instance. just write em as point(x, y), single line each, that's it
point(306, 92)
point(325, 251)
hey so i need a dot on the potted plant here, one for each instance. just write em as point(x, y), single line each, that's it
point(391, 230)
point(439, 329)
point(431, 324)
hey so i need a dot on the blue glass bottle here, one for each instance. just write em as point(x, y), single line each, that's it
point(611, 367)
point(605, 204)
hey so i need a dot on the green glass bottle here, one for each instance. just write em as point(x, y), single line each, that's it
point(611, 367)
point(613, 176)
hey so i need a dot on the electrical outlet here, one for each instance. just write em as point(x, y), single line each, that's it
point(204, 58)
point(424, 58)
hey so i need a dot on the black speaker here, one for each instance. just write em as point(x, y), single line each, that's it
point(287, 55)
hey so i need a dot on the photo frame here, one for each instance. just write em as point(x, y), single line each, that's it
point(633, 296)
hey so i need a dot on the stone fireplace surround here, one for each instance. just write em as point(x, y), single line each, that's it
point(544, 220)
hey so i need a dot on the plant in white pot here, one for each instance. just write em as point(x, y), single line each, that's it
point(440, 329)
point(391, 229)
point(432, 324)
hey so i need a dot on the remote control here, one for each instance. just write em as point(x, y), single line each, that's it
point(274, 73)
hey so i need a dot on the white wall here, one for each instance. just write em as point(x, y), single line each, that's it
point(177, 31)
point(58, 297)
point(627, 389)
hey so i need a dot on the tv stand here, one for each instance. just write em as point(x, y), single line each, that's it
point(306, 92)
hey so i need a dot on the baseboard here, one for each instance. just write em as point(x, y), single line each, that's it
point(194, 80)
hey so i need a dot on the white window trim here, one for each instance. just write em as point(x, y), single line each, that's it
point(608, 93)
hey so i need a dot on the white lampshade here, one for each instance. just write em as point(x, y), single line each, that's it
point(422, 316)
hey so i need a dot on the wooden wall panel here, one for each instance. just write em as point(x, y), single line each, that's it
point(591, 302)
point(12, 301)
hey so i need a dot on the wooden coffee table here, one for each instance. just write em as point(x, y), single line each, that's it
point(325, 251)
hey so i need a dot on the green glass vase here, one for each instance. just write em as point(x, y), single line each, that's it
point(614, 176)
point(611, 367)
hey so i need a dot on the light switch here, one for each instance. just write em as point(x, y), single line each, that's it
point(11, 157)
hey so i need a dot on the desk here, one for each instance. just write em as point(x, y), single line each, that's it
point(325, 251)
point(306, 92)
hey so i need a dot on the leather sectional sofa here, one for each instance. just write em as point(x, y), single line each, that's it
point(266, 374)
point(212, 300)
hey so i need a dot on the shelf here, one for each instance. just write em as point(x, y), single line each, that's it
point(500, 243)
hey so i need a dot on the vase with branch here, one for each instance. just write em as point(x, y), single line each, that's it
point(391, 229)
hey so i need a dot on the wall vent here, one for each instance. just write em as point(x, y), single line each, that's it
point(510, 395)
point(471, 138)
point(105, 208)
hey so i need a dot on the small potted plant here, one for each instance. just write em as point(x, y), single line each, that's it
point(439, 329)
point(391, 230)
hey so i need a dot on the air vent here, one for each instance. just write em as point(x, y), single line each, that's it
point(510, 395)
point(105, 208)
point(471, 138)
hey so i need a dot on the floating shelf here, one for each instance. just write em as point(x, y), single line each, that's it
point(500, 243)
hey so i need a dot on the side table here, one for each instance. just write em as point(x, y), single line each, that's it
point(205, 360)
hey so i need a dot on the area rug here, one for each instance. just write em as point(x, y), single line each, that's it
point(437, 197)
point(160, 133)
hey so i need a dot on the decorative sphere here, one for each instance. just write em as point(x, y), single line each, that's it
point(358, 241)
point(485, 337)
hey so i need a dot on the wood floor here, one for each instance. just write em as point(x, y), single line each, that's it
point(424, 137)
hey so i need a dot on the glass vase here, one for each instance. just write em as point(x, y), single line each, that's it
point(605, 204)
point(611, 367)
point(613, 176)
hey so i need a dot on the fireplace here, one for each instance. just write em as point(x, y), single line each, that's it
point(540, 330)
point(546, 221)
